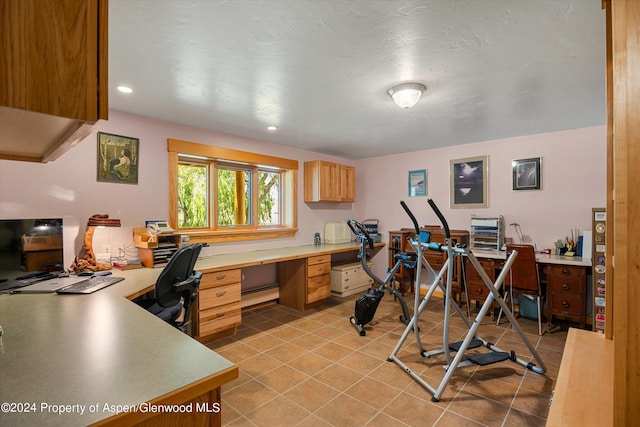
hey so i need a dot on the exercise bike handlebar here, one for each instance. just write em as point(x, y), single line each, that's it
point(361, 231)
point(445, 226)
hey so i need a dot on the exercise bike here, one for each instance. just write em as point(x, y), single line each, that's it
point(367, 304)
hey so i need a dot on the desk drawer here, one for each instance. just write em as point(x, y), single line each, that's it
point(219, 318)
point(318, 288)
point(567, 304)
point(566, 280)
point(477, 290)
point(318, 269)
point(210, 280)
point(220, 295)
point(319, 259)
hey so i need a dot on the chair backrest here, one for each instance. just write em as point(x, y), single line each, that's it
point(524, 271)
point(179, 268)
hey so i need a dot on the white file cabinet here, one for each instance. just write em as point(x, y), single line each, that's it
point(348, 279)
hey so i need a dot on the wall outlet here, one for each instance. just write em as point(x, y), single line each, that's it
point(106, 249)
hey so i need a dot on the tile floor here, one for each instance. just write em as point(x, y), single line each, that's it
point(313, 369)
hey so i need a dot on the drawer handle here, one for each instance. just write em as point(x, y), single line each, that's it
point(220, 277)
point(346, 280)
point(222, 313)
point(565, 271)
point(221, 293)
point(566, 287)
point(565, 304)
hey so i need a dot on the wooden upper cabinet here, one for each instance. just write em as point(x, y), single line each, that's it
point(329, 182)
point(347, 183)
point(53, 66)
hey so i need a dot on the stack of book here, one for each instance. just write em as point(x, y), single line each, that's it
point(128, 264)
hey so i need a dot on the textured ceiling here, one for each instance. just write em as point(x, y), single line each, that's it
point(319, 69)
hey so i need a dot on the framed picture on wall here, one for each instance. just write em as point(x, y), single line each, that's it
point(418, 183)
point(469, 182)
point(526, 174)
point(118, 158)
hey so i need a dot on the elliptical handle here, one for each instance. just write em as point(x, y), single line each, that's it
point(413, 218)
point(445, 226)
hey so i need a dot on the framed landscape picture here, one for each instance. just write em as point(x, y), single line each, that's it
point(118, 158)
point(418, 183)
point(526, 174)
point(469, 182)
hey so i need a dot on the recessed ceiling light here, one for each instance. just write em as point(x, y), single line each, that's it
point(272, 128)
point(125, 89)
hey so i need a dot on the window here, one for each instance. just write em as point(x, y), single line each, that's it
point(219, 194)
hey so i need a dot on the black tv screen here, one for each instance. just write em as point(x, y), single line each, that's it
point(30, 245)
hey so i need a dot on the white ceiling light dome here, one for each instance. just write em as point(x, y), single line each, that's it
point(406, 95)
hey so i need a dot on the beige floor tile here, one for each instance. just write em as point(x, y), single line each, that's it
point(310, 363)
point(286, 352)
point(277, 412)
point(311, 394)
point(312, 368)
point(282, 378)
point(338, 377)
point(249, 396)
point(413, 411)
point(346, 411)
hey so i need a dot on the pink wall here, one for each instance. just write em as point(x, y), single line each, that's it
point(68, 187)
point(573, 179)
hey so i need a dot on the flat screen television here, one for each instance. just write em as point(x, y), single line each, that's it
point(30, 245)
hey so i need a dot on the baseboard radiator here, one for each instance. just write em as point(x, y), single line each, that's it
point(260, 295)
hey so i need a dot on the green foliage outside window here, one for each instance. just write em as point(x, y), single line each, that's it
point(193, 196)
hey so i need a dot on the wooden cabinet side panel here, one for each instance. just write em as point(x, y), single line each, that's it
point(293, 279)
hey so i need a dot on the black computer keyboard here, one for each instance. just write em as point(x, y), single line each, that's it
point(26, 280)
point(90, 285)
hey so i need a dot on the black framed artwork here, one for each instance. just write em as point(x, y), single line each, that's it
point(469, 182)
point(526, 174)
point(118, 158)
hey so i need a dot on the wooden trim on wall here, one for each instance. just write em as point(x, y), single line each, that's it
point(213, 152)
point(625, 27)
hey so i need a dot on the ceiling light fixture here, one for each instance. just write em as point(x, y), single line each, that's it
point(406, 95)
point(272, 128)
point(125, 89)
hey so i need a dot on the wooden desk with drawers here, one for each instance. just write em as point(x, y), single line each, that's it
point(304, 277)
point(566, 282)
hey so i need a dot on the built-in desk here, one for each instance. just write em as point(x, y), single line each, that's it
point(98, 353)
point(566, 279)
point(303, 276)
point(101, 353)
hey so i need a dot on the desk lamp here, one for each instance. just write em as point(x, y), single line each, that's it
point(87, 261)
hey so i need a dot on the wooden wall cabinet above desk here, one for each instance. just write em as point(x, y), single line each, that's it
point(53, 80)
point(329, 182)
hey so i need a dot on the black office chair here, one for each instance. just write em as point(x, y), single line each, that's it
point(177, 288)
